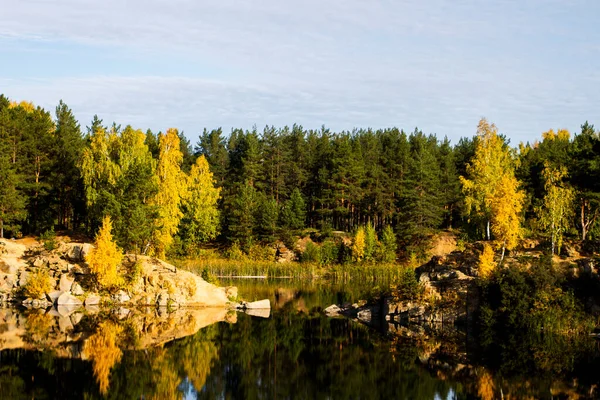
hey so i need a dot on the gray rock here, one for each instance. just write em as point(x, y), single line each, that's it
point(258, 304)
point(39, 262)
point(92, 308)
point(65, 283)
point(74, 253)
point(27, 301)
point(76, 318)
point(365, 315)
point(23, 278)
point(85, 250)
point(92, 300)
point(68, 299)
point(162, 300)
point(64, 324)
point(424, 277)
point(67, 310)
point(76, 289)
point(121, 297)
point(53, 296)
point(332, 311)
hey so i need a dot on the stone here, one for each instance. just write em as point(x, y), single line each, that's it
point(162, 300)
point(332, 311)
point(424, 277)
point(365, 315)
point(231, 292)
point(122, 312)
point(121, 297)
point(76, 318)
point(39, 262)
point(68, 299)
point(76, 289)
point(92, 300)
point(67, 310)
point(8, 268)
point(27, 301)
point(259, 312)
point(257, 304)
point(40, 303)
point(23, 277)
point(53, 296)
point(92, 308)
point(64, 324)
point(65, 283)
point(74, 252)
point(85, 250)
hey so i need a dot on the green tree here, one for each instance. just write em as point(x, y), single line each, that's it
point(200, 221)
point(556, 210)
point(388, 241)
point(370, 242)
point(293, 213)
point(12, 203)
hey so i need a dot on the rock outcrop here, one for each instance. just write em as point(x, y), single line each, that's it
point(154, 282)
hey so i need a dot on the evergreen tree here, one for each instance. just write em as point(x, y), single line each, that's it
point(293, 213)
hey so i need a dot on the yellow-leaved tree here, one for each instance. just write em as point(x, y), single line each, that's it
point(358, 246)
point(557, 208)
point(491, 190)
point(172, 188)
point(506, 213)
point(486, 261)
point(201, 215)
point(105, 259)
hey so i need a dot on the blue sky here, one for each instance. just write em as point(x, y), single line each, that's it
point(526, 65)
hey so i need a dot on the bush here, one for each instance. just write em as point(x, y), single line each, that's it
point(330, 252)
point(312, 253)
point(486, 261)
point(49, 239)
point(235, 252)
point(261, 253)
point(408, 286)
point(38, 284)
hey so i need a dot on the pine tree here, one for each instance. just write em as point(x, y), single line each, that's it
point(12, 203)
point(293, 213)
point(388, 241)
point(370, 242)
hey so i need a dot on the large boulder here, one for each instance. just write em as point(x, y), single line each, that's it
point(121, 297)
point(65, 283)
point(92, 300)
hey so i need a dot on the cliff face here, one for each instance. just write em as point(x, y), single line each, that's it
point(150, 282)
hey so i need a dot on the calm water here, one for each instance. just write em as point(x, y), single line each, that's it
point(294, 353)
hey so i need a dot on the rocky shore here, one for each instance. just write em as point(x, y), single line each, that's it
point(150, 281)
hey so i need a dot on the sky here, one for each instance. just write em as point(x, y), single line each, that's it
point(526, 65)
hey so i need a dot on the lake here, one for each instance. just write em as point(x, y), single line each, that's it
point(294, 352)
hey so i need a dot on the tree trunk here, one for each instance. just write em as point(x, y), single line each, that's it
point(487, 230)
point(1, 229)
point(503, 249)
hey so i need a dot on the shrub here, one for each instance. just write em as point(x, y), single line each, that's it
point(38, 284)
point(408, 286)
point(358, 245)
point(312, 253)
point(330, 252)
point(261, 253)
point(49, 239)
point(235, 252)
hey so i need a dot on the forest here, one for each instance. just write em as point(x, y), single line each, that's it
point(165, 194)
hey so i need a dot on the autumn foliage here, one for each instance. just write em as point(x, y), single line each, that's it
point(106, 258)
point(102, 349)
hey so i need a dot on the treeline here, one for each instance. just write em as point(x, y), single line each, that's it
point(249, 186)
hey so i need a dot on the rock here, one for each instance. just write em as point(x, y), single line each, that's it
point(424, 277)
point(92, 308)
point(258, 304)
point(27, 301)
point(65, 283)
point(23, 277)
point(76, 318)
point(332, 311)
point(92, 300)
point(40, 303)
point(365, 315)
point(74, 252)
point(85, 250)
point(68, 299)
point(231, 292)
point(8, 268)
point(53, 296)
point(122, 312)
point(64, 324)
point(121, 297)
point(162, 300)
point(259, 312)
point(39, 262)
point(68, 309)
point(76, 289)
